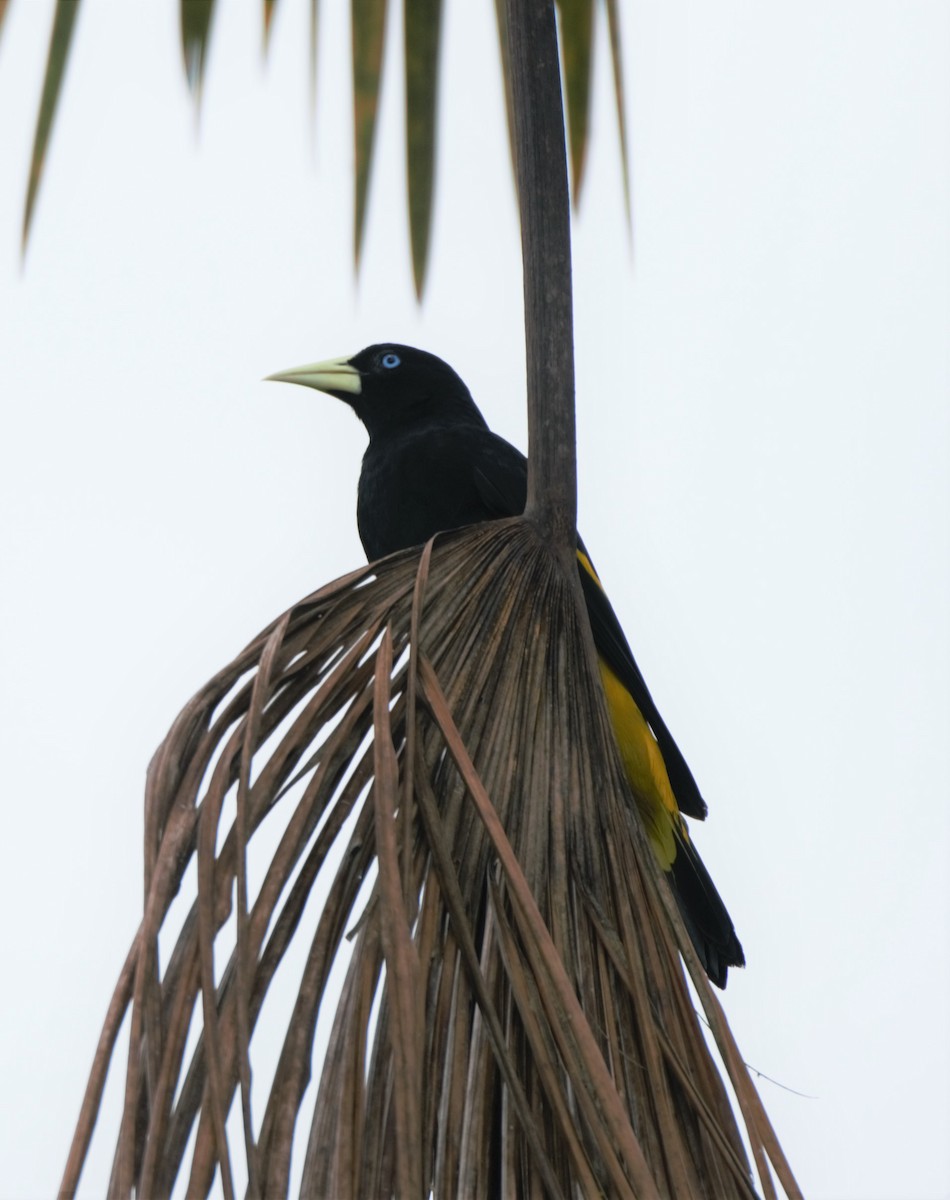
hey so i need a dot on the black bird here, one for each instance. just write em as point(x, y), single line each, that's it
point(433, 464)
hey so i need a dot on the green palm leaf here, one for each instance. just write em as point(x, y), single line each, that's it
point(195, 20)
point(421, 58)
point(613, 24)
point(61, 39)
point(314, 40)
point(369, 27)
point(423, 22)
point(270, 7)
point(576, 39)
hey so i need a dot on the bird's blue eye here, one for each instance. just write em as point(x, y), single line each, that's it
point(390, 360)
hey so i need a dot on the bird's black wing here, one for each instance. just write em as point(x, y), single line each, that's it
point(501, 479)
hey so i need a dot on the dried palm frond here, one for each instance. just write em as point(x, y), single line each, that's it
point(514, 1018)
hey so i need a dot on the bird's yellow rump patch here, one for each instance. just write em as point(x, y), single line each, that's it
point(642, 760)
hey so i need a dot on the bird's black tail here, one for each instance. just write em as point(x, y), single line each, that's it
point(704, 914)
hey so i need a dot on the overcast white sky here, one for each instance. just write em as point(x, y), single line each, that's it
point(764, 454)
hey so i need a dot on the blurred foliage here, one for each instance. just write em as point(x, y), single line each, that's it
point(61, 39)
point(421, 33)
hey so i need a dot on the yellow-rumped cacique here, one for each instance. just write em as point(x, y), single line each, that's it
point(432, 465)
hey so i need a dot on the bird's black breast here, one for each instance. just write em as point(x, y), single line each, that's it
point(431, 478)
point(428, 481)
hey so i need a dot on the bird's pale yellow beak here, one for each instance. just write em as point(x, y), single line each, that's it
point(334, 375)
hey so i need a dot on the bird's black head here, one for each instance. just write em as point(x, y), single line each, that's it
point(392, 387)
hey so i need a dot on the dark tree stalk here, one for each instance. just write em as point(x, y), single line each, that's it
point(544, 204)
